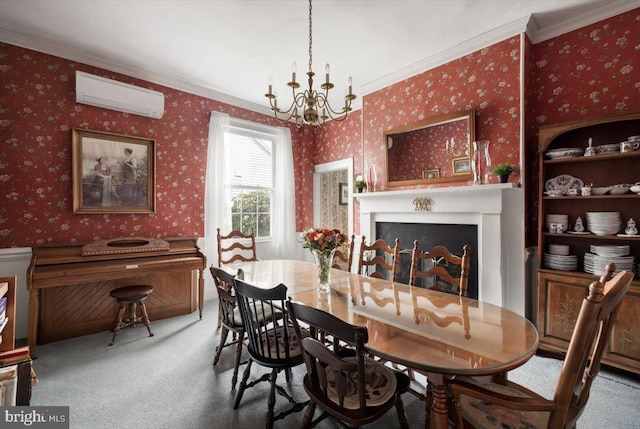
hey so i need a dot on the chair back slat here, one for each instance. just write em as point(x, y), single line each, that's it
point(588, 344)
point(437, 254)
point(386, 257)
point(231, 249)
point(343, 256)
point(266, 324)
point(224, 284)
point(318, 355)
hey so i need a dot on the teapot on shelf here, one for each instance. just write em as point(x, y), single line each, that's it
point(635, 188)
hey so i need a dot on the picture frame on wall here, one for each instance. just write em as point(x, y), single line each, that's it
point(112, 173)
point(343, 194)
point(461, 166)
point(433, 173)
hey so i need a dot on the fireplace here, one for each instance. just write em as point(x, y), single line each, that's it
point(495, 212)
point(429, 235)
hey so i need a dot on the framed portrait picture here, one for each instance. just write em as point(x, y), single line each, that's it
point(461, 166)
point(113, 173)
point(343, 196)
point(433, 173)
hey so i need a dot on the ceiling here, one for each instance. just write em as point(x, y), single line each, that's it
point(227, 50)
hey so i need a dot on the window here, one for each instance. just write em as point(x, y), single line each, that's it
point(249, 161)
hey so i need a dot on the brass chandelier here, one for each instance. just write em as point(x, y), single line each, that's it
point(313, 105)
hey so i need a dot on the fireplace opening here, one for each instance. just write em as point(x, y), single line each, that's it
point(451, 236)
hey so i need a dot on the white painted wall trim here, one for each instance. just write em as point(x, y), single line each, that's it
point(328, 167)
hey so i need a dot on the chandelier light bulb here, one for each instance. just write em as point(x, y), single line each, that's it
point(294, 68)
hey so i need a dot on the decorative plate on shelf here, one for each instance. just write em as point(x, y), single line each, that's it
point(563, 182)
point(564, 152)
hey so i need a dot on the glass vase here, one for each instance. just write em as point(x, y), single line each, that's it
point(481, 162)
point(324, 259)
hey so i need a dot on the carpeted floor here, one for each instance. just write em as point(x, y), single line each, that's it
point(168, 381)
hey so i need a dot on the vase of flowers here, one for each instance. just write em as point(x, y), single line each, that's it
point(323, 242)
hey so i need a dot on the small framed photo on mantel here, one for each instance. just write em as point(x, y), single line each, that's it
point(461, 166)
point(433, 173)
point(112, 173)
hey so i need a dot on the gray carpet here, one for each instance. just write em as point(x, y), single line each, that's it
point(168, 381)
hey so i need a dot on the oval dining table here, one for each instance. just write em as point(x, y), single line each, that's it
point(438, 334)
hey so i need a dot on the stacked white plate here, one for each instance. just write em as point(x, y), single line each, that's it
point(560, 262)
point(608, 250)
point(596, 264)
point(604, 223)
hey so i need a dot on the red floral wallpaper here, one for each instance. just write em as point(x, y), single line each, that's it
point(37, 115)
point(486, 80)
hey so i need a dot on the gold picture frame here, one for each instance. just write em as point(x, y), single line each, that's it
point(433, 173)
point(112, 173)
point(461, 166)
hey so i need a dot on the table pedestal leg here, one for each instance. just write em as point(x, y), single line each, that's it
point(437, 414)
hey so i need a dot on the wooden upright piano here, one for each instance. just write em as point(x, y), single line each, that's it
point(69, 284)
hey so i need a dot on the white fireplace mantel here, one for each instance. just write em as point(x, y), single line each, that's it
point(497, 210)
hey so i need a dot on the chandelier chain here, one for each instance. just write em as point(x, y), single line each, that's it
point(310, 35)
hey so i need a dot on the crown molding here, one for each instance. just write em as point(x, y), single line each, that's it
point(460, 50)
point(607, 10)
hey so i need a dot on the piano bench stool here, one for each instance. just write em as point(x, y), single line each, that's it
point(132, 297)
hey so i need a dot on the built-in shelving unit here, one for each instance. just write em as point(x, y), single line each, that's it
point(560, 293)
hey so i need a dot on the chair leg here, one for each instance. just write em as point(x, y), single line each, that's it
point(223, 339)
point(308, 416)
point(402, 417)
point(145, 317)
point(132, 314)
point(234, 379)
point(118, 323)
point(457, 407)
point(271, 403)
point(243, 384)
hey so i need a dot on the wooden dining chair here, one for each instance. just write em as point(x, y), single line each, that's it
point(233, 248)
point(384, 257)
point(343, 382)
point(230, 319)
point(343, 256)
point(440, 259)
point(502, 404)
point(272, 343)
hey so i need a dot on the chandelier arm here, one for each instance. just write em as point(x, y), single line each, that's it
point(335, 115)
point(298, 101)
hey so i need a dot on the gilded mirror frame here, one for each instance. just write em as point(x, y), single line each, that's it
point(389, 135)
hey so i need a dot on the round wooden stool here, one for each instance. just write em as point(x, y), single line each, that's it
point(131, 296)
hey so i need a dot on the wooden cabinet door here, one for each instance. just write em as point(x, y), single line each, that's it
point(560, 298)
point(624, 342)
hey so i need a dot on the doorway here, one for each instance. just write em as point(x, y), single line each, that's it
point(332, 195)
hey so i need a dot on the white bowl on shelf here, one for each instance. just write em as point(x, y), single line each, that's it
point(619, 189)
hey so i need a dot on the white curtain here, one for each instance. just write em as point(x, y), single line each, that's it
point(284, 212)
point(216, 188)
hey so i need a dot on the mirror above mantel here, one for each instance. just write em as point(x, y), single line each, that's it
point(435, 150)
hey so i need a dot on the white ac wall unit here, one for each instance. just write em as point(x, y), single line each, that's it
point(111, 94)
